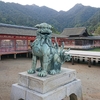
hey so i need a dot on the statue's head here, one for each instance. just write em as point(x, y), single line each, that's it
point(44, 28)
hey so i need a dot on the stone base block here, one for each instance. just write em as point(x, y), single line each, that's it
point(45, 84)
point(70, 89)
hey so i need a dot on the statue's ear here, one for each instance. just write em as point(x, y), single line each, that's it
point(37, 26)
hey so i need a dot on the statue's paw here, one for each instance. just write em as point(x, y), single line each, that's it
point(52, 72)
point(58, 71)
point(39, 69)
point(42, 73)
point(31, 71)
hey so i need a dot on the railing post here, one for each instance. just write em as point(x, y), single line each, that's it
point(72, 60)
point(89, 62)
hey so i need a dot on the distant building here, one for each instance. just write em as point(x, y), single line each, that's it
point(18, 38)
point(78, 38)
point(15, 38)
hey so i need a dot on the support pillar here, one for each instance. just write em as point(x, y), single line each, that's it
point(27, 55)
point(0, 57)
point(15, 56)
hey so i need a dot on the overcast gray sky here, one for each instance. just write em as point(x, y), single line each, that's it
point(58, 5)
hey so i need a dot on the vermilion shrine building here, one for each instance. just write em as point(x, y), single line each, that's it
point(16, 39)
point(78, 38)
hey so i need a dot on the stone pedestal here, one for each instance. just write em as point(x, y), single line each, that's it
point(52, 87)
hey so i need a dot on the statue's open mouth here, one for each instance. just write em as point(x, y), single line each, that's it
point(45, 33)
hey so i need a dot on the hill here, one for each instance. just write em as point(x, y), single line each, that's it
point(30, 15)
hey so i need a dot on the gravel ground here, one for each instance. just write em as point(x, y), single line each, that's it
point(9, 69)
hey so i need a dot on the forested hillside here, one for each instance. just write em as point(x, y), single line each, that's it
point(30, 15)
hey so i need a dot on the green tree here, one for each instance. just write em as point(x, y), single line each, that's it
point(55, 31)
point(97, 31)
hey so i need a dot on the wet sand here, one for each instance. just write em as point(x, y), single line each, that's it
point(9, 69)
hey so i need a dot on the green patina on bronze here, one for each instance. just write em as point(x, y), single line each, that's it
point(51, 56)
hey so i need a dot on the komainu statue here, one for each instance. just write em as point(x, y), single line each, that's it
point(51, 56)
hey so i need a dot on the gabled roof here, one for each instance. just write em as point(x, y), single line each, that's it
point(78, 31)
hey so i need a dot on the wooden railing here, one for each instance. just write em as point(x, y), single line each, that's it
point(79, 47)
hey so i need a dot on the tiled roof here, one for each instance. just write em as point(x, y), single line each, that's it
point(17, 30)
point(74, 31)
point(16, 26)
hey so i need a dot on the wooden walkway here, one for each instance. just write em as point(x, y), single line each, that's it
point(88, 56)
point(78, 55)
point(14, 53)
